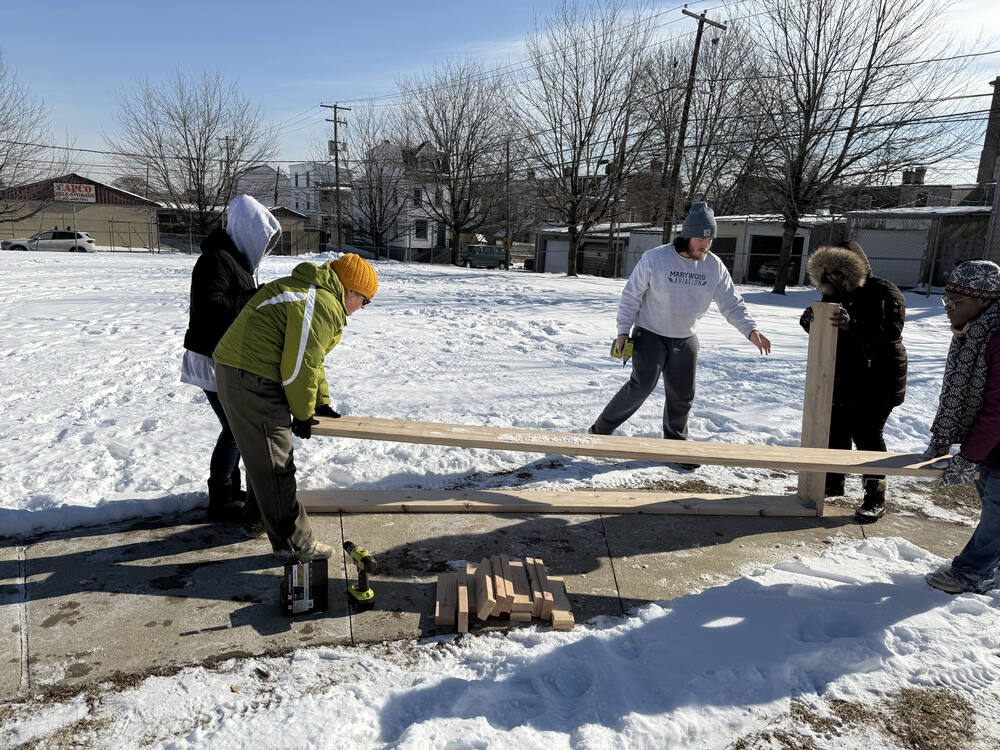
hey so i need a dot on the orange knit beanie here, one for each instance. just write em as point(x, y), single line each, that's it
point(356, 274)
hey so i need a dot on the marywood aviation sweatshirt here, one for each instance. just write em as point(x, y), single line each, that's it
point(667, 294)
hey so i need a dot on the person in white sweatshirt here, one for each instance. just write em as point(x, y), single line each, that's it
point(670, 289)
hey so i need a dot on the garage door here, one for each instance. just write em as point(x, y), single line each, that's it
point(895, 255)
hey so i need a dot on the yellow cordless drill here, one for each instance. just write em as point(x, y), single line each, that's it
point(360, 595)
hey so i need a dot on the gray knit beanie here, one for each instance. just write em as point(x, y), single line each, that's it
point(700, 222)
point(976, 278)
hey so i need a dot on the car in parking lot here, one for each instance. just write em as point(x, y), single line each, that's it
point(53, 240)
point(769, 272)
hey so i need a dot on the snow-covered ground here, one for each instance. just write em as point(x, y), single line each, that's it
point(95, 425)
point(848, 650)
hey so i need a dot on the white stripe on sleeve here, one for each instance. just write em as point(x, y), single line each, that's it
point(285, 297)
point(310, 299)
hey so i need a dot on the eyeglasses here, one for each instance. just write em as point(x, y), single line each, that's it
point(366, 300)
point(950, 303)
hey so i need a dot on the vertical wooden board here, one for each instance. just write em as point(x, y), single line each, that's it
point(522, 590)
point(463, 601)
point(499, 589)
point(543, 583)
point(508, 583)
point(821, 362)
point(447, 599)
point(536, 590)
point(484, 589)
point(562, 611)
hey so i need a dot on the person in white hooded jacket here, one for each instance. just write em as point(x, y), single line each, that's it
point(670, 290)
point(222, 282)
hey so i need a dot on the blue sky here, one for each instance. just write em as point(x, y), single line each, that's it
point(287, 56)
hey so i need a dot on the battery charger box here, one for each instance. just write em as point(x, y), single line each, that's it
point(304, 588)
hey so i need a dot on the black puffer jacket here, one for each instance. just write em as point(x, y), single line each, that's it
point(871, 358)
point(221, 284)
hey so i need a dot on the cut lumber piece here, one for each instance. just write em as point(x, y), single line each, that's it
point(508, 582)
point(463, 602)
point(522, 589)
point(485, 601)
point(551, 501)
point(470, 571)
point(447, 599)
point(537, 600)
point(499, 586)
point(631, 448)
point(543, 584)
point(520, 616)
point(562, 611)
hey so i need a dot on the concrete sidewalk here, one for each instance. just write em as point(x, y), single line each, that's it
point(123, 601)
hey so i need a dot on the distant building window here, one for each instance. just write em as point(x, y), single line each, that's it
point(416, 197)
point(296, 201)
point(420, 229)
point(296, 181)
point(308, 207)
point(307, 179)
point(921, 199)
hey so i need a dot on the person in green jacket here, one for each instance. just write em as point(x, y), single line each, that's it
point(271, 381)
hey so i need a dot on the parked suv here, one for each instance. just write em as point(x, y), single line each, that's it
point(484, 256)
point(54, 240)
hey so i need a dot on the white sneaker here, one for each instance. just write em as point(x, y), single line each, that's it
point(314, 551)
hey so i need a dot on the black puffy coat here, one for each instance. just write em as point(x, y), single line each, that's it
point(871, 358)
point(221, 284)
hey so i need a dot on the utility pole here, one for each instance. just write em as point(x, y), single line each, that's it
point(673, 186)
point(228, 173)
point(336, 163)
point(277, 174)
point(506, 236)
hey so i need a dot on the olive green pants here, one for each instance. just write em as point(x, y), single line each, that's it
point(261, 423)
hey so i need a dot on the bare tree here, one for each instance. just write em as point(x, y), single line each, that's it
point(194, 136)
point(459, 112)
point(852, 96)
point(378, 176)
point(24, 131)
point(581, 115)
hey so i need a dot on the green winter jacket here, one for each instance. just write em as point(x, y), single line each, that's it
point(285, 332)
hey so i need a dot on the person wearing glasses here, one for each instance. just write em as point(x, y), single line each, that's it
point(269, 369)
point(969, 414)
point(870, 373)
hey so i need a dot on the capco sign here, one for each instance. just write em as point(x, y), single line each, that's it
point(69, 191)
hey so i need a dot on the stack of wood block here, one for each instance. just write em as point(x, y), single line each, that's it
point(520, 589)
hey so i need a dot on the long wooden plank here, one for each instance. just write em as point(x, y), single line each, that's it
point(542, 501)
point(820, 366)
point(543, 582)
point(500, 587)
point(536, 590)
point(631, 448)
point(522, 589)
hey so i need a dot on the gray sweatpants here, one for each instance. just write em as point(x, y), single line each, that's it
point(653, 355)
point(261, 423)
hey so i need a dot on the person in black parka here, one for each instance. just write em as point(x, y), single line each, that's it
point(222, 282)
point(870, 375)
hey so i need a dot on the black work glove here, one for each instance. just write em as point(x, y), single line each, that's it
point(303, 429)
point(325, 410)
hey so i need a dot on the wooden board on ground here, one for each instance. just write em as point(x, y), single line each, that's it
point(470, 570)
point(520, 616)
point(508, 582)
point(562, 611)
point(552, 501)
point(522, 589)
point(463, 601)
point(485, 601)
point(499, 586)
point(630, 448)
point(447, 599)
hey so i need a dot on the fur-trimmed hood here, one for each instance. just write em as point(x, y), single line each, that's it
point(851, 261)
